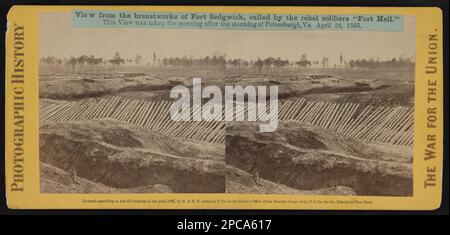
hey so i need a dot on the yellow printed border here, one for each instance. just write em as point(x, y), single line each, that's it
point(428, 21)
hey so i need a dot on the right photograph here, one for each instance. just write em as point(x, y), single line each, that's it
point(345, 112)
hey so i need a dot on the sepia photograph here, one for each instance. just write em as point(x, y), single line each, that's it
point(105, 125)
point(340, 105)
point(346, 112)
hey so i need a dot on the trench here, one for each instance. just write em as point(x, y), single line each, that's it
point(94, 162)
point(312, 170)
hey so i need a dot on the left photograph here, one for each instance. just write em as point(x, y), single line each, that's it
point(105, 125)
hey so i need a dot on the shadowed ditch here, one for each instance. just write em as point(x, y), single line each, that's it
point(130, 168)
point(310, 163)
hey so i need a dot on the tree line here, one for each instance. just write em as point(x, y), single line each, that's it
point(91, 62)
point(376, 63)
point(88, 61)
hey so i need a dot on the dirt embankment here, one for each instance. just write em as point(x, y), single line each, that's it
point(87, 85)
point(240, 181)
point(125, 157)
point(55, 180)
point(301, 85)
point(304, 157)
point(74, 86)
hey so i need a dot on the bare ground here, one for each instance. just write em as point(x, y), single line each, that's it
point(305, 157)
point(123, 156)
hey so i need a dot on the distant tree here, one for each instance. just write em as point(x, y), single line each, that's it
point(82, 61)
point(258, 64)
point(303, 62)
point(116, 60)
point(372, 63)
point(280, 63)
point(50, 61)
point(351, 64)
point(325, 61)
point(93, 62)
point(138, 61)
point(235, 63)
point(72, 62)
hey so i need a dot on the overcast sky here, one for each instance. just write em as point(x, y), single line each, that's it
point(58, 38)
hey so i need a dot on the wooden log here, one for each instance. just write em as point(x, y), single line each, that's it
point(398, 127)
point(348, 118)
point(153, 113)
point(331, 116)
point(357, 121)
point(391, 124)
point(312, 112)
point(408, 124)
point(324, 117)
point(370, 115)
point(303, 112)
point(340, 112)
point(378, 129)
